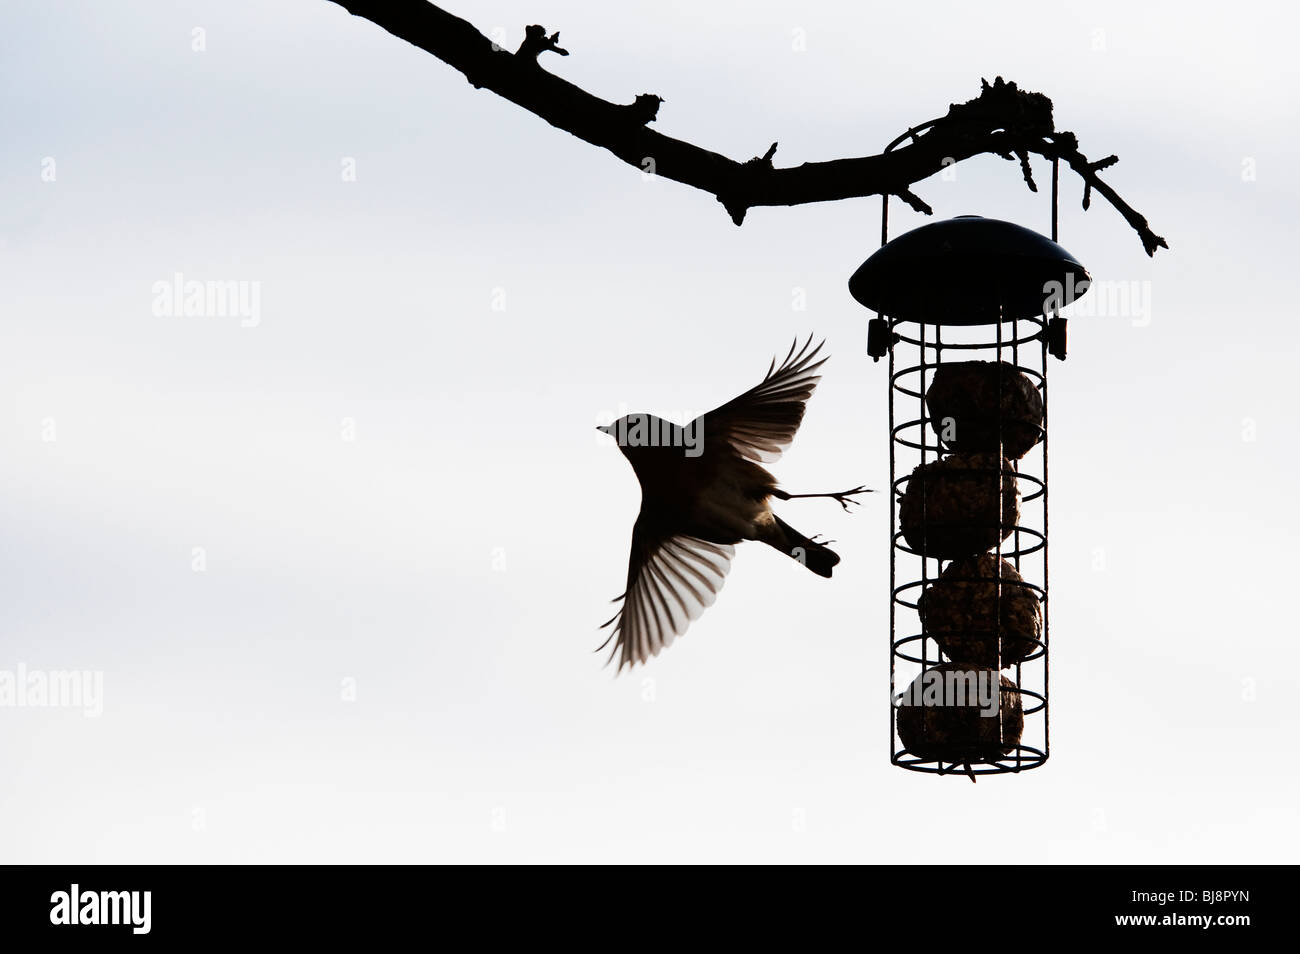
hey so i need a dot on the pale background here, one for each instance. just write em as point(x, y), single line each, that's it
point(455, 559)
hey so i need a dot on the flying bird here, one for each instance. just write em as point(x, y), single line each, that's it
point(702, 492)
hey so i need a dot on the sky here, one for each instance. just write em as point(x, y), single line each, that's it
point(338, 559)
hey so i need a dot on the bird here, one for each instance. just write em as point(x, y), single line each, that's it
point(704, 490)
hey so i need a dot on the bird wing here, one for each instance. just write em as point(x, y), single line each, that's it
point(761, 422)
point(670, 581)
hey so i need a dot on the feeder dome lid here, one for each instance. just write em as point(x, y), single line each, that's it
point(959, 271)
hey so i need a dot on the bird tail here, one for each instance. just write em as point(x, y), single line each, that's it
point(820, 559)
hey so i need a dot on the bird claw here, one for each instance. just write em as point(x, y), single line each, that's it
point(845, 498)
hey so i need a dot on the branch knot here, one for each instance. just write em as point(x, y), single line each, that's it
point(536, 42)
point(644, 109)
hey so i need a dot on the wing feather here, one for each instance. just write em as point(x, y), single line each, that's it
point(670, 583)
point(761, 423)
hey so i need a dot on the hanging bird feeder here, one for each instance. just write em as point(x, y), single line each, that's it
point(967, 314)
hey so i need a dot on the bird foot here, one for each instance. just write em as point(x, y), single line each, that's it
point(845, 497)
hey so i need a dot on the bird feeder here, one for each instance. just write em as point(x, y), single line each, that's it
point(967, 315)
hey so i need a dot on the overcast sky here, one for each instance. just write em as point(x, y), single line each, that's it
point(341, 559)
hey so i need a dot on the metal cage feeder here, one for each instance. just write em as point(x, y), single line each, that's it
point(974, 303)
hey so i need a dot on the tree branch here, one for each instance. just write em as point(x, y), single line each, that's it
point(1003, 120)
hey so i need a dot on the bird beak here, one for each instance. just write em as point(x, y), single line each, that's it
point(603, 428)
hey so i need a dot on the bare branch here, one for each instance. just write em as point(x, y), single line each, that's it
point(1003, 120)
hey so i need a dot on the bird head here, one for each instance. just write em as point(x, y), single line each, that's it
point(634, 433)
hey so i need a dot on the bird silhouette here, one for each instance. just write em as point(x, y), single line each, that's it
point(703, 490)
